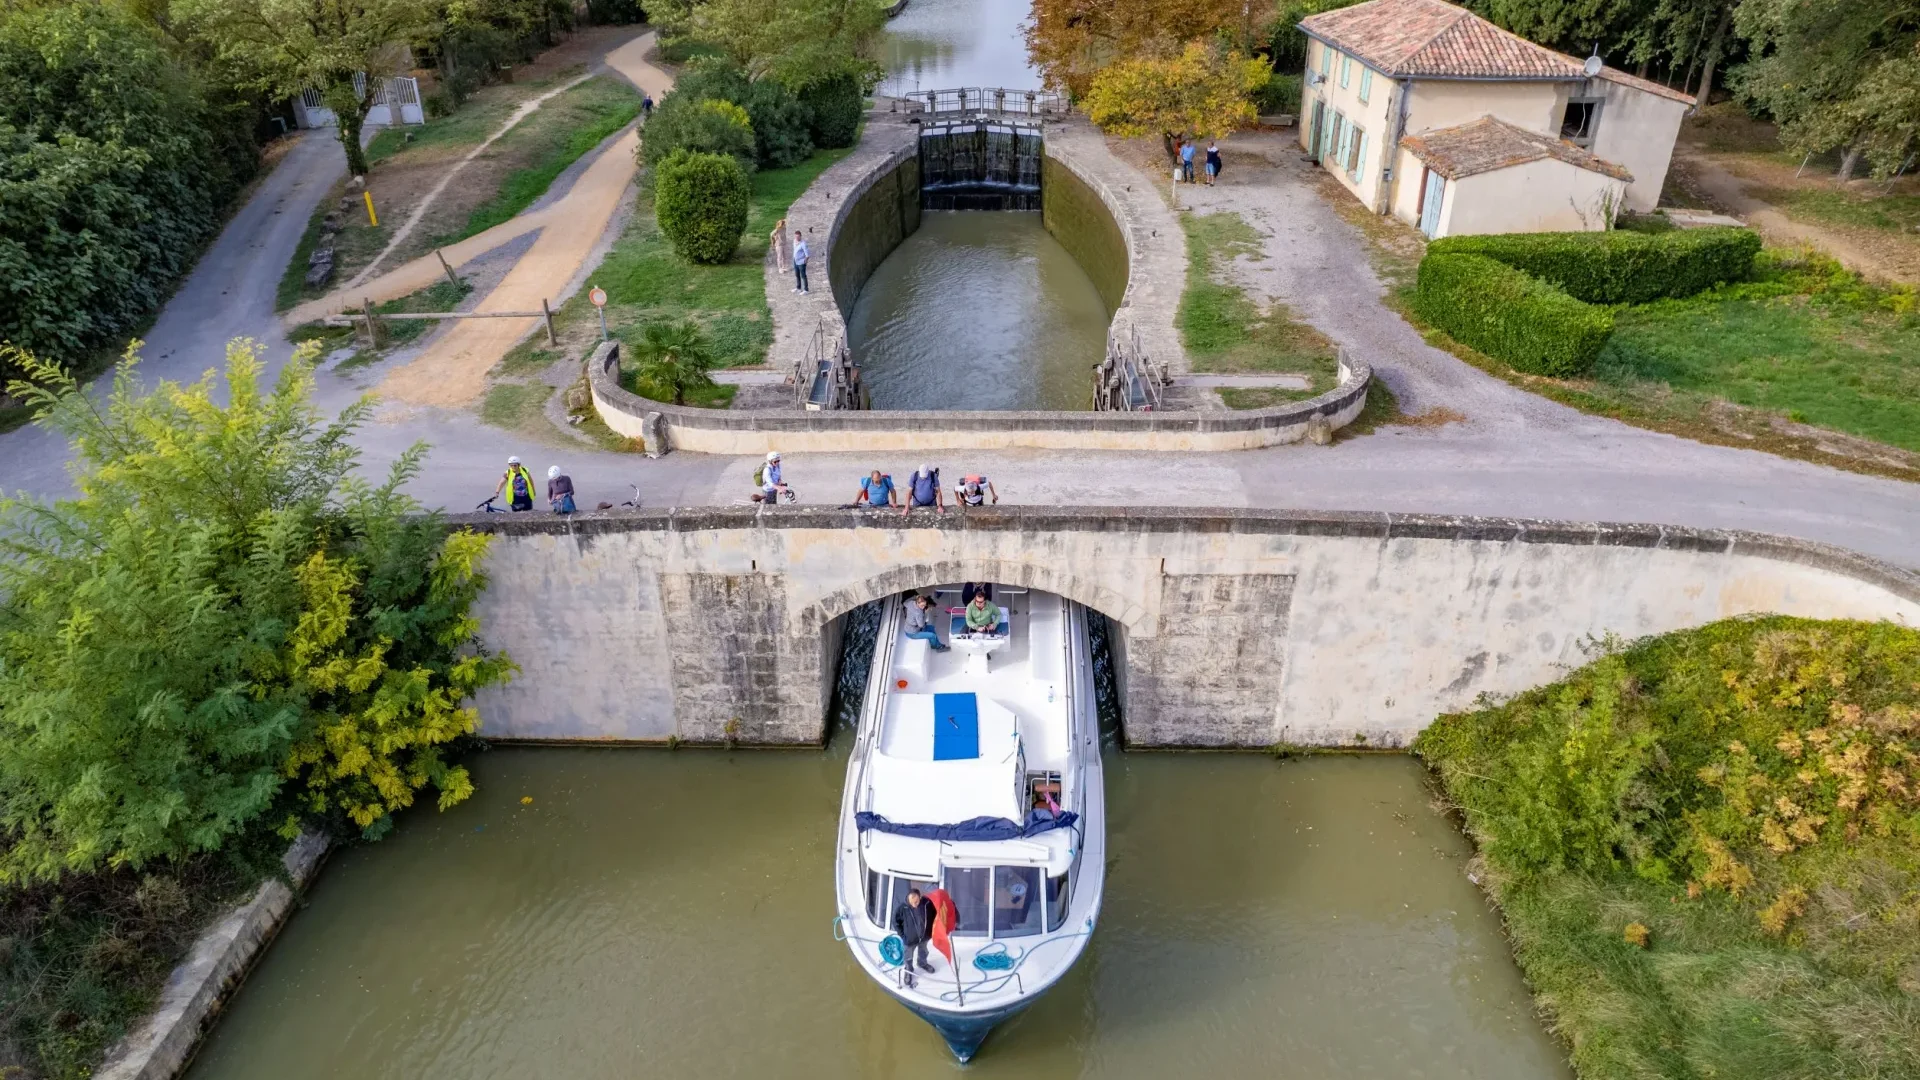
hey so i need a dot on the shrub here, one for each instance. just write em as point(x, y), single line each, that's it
point(836, 104)
point(700, 126)
point(1620, 267)
point(1529, 324)
point(701, 201)
point(782, 125)
point(1279, 94)
point(615, 12)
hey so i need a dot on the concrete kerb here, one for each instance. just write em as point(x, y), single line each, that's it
point(666, 427)
point(163, 1044)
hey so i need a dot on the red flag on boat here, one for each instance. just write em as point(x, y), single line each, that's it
point(945, 916)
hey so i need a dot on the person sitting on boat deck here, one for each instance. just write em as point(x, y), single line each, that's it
point(919, 622)
point(876, 490)
point(913, 921)
point(971, 590)
point(983, 615)
point(973, 491)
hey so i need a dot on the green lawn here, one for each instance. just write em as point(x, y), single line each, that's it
point(645, 281)
point(1225, 331)
point(1887, 213)
point(552, 139)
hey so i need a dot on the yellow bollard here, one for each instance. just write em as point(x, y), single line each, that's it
point(371, 220)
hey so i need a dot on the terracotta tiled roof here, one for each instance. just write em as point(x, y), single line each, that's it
point(1487, 144)
point(1433, 39)
point(1651, 87)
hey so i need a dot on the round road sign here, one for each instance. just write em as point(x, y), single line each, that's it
point(599, 296)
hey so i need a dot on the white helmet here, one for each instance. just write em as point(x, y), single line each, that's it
point(773, 455)
point(513, 459)
point(553, 472)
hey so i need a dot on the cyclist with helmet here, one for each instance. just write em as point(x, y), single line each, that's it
point(517, 485)
point(768, 479)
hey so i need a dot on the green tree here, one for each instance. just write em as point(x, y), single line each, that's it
point(1837, 76)
point(835, 105)
point(115, 165)
point(1071, 40)
point(702, 201)
point(222, 608)
point(343, 48)
point(796, 41)
point(683, 123)
point(673, 358)
point(1205, 92)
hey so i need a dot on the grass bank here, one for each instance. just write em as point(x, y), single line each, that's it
point(645, 281)
point(82, 962)
point(1706, 847)
point(507, 178)
point(1227, 333)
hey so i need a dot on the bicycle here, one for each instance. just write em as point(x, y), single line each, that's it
point(488, 506)
point(633, 502)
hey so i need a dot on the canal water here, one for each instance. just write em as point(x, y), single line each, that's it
point(979, 310)
point(946, 44)
point(622, 913)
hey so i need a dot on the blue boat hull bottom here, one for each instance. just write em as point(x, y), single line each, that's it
point(965, 1032)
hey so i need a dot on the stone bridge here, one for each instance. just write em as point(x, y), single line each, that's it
point(1234, 628)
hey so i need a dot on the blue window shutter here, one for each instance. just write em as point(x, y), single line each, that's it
point(1346, 71)
point(1360, 162)
point(1366, 84)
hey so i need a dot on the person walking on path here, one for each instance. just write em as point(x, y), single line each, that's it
point(919, 622)
point(559, 490)
point(1213, 161)
point(1186, 162)
point(913, 921)
point(646, 107)
point(799, 262)
point(517, 485)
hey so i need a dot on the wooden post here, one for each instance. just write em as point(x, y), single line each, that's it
point(373, 328)
point(454, 281)
point(551, 339)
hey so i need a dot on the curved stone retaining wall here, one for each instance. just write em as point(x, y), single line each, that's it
point(666, 427)
point(1237, 628)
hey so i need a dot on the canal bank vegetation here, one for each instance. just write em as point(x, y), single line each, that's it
point(224, 638)
point(1227, 333)
point(1707, 848)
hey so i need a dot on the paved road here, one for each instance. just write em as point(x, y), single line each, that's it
point(1518, 455)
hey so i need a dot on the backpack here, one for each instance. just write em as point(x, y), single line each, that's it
point(760, 476)
point(924, 487)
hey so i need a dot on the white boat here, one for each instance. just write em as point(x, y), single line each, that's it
point(976, 770)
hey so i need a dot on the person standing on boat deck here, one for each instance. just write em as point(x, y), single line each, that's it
point(919, 622)
point(913, 921)
point(983, 615)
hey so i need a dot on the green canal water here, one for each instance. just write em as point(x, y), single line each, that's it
point(979, 310)
point(667, 914)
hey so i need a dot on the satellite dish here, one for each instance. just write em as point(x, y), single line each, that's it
point(1594, 63)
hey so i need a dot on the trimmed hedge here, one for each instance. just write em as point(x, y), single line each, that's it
point(1531, 325)
point(1620, 267)
point(701, 201)
point(836, 104)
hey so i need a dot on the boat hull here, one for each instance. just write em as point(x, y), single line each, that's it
point(964, 1032)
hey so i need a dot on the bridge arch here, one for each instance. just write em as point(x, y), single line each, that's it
point(1127, 612)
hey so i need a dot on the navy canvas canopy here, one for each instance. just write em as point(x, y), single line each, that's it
point(980, 828)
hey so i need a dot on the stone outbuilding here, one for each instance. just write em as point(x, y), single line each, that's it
point(1426, 111)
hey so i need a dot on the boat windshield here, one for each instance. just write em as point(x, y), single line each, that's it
point(1004, 901)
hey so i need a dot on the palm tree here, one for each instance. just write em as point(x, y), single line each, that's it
point(673, 358)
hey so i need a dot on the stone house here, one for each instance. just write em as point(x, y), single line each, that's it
point(1428, 112)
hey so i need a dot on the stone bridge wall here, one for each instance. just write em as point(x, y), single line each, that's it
point(1240, 628)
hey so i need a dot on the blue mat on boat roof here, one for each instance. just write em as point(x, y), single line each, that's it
point(956, 727)
point(980, 828)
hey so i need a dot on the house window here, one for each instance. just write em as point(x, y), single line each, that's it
point(1342, 131)
point(1366, 84)
point(1346, 71)
point(1582, 121)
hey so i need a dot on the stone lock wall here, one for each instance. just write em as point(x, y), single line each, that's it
point(1237, 628)
point(1073, 213)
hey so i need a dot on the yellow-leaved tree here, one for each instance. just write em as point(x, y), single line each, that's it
point(1204, 92)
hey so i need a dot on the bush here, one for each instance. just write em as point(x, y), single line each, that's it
point(115, 166)
point(614, 12)
point(1529, 324)
point(1620, 267)
point(701, 201)
point(1279, 94)
point(699, 126)
point(836, 104)
point(782, 125)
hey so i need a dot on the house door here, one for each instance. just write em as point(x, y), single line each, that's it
point(1430, 203)
point(1319, 127)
